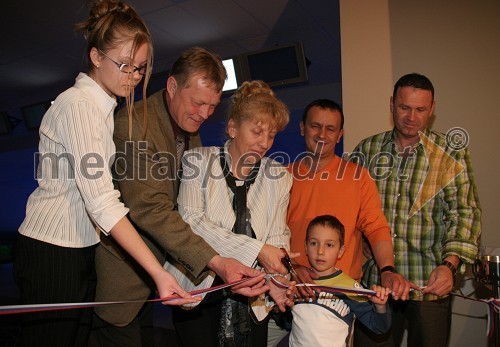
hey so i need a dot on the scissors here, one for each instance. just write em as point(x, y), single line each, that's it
point(289, 266)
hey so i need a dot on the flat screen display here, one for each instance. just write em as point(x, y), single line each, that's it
point(276, 66)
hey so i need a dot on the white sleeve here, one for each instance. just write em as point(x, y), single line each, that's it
point(202, 185)
point(86, 138)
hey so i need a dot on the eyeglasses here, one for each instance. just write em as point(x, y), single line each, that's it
point(127, 68)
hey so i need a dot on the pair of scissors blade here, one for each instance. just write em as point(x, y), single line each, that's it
point(287, 262)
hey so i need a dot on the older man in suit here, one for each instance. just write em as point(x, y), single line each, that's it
point(147, 172)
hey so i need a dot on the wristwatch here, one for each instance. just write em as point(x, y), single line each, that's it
point(450, 266)
point(389, 268)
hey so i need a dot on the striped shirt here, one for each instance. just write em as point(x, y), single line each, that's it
point(430, 201)
point(75, 192)
point(206, 203)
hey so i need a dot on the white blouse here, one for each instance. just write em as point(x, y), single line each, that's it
point(75, 196)
point(206, 203)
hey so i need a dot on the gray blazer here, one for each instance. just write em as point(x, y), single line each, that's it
point(146, 176)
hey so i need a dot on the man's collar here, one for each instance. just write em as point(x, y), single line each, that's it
point(390, 136)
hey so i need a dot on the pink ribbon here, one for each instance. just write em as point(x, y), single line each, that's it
point(339, 289)
point(14, 309)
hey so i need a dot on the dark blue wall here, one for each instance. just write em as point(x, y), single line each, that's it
point(323, 53)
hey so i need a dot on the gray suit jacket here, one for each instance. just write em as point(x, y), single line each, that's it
point(146, 175)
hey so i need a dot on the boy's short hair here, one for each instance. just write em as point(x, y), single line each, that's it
point(328, 221)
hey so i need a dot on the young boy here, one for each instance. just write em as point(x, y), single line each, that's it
point(329, 319)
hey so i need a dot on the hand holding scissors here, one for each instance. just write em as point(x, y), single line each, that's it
point(302, 292)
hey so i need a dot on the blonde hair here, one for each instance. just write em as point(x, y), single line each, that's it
point(112, 23)
point(197, 60)
point(256, 102)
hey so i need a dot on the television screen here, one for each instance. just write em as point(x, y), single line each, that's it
point(276, 66)
point(33, 114)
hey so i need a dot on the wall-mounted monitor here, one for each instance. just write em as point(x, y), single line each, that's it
point(33, 114)
point(276, 66)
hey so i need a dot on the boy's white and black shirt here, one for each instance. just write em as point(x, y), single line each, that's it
point(329, 319)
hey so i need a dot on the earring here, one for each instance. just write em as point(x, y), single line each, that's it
point(97, 66)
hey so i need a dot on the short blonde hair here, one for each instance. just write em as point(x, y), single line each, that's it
point(256, 102)
point(197, 60)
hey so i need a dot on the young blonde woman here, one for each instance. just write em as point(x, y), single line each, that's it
point(236, 199)
point(75, 199)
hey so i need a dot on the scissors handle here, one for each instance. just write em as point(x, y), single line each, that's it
point(286, 261)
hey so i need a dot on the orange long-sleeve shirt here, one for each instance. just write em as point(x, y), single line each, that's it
point(346, 191)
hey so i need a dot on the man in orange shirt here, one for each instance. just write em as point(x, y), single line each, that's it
point(324, 183)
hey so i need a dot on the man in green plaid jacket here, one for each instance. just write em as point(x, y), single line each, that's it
point(426, 184)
